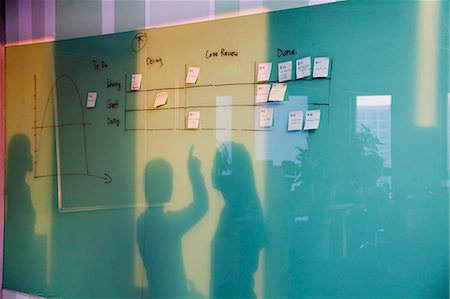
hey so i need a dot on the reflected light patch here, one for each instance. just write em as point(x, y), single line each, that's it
point(427, 59)
point(224, 116)
point(373, 101)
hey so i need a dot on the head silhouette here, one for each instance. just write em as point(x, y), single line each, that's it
point(232, 173)
point(20, 160)
point(158, 181)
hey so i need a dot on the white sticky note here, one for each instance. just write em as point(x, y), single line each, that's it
point(262, 93)
point(161, 99)
point(193, 122)
point(277, 92)
point(312, 120)
point(136, 81)
point(265, 117)
point(285, 71)
point(264, 70)
point(321, 67)
point(91, 99)
point(295, 120)
point(303, 67)
point(192, 75)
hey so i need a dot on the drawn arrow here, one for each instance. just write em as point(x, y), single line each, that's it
point(107, 178)
point(139, 41)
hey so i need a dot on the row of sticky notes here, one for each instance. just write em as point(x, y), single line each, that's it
point(160, 100)
point(295, 120)
point(270, 93)
point(266, 116)
point(191, 78)
point(319, 67)
point(266, 119)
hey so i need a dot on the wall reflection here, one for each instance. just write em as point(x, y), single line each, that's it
point(338, 225)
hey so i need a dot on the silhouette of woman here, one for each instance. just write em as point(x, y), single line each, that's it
point(240, 234)
point(159, 233)
point(20, 215)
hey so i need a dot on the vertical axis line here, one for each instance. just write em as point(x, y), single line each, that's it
point(185, 96)
point(35, 129)
point(255, 86)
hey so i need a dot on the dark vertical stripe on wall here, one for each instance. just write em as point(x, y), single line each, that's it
point(78, 18)
point(130, 15)
point(11, 20)
point(222, 7)
point(2, 23)
point(38, 19)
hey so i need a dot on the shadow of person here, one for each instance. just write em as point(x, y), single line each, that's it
point(20, 247)
point(239, 236)
point(159, 233)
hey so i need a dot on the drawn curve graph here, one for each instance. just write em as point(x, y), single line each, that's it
point(70, 128)
point(63, 131)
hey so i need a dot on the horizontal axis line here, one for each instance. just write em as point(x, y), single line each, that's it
point(61, 125)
